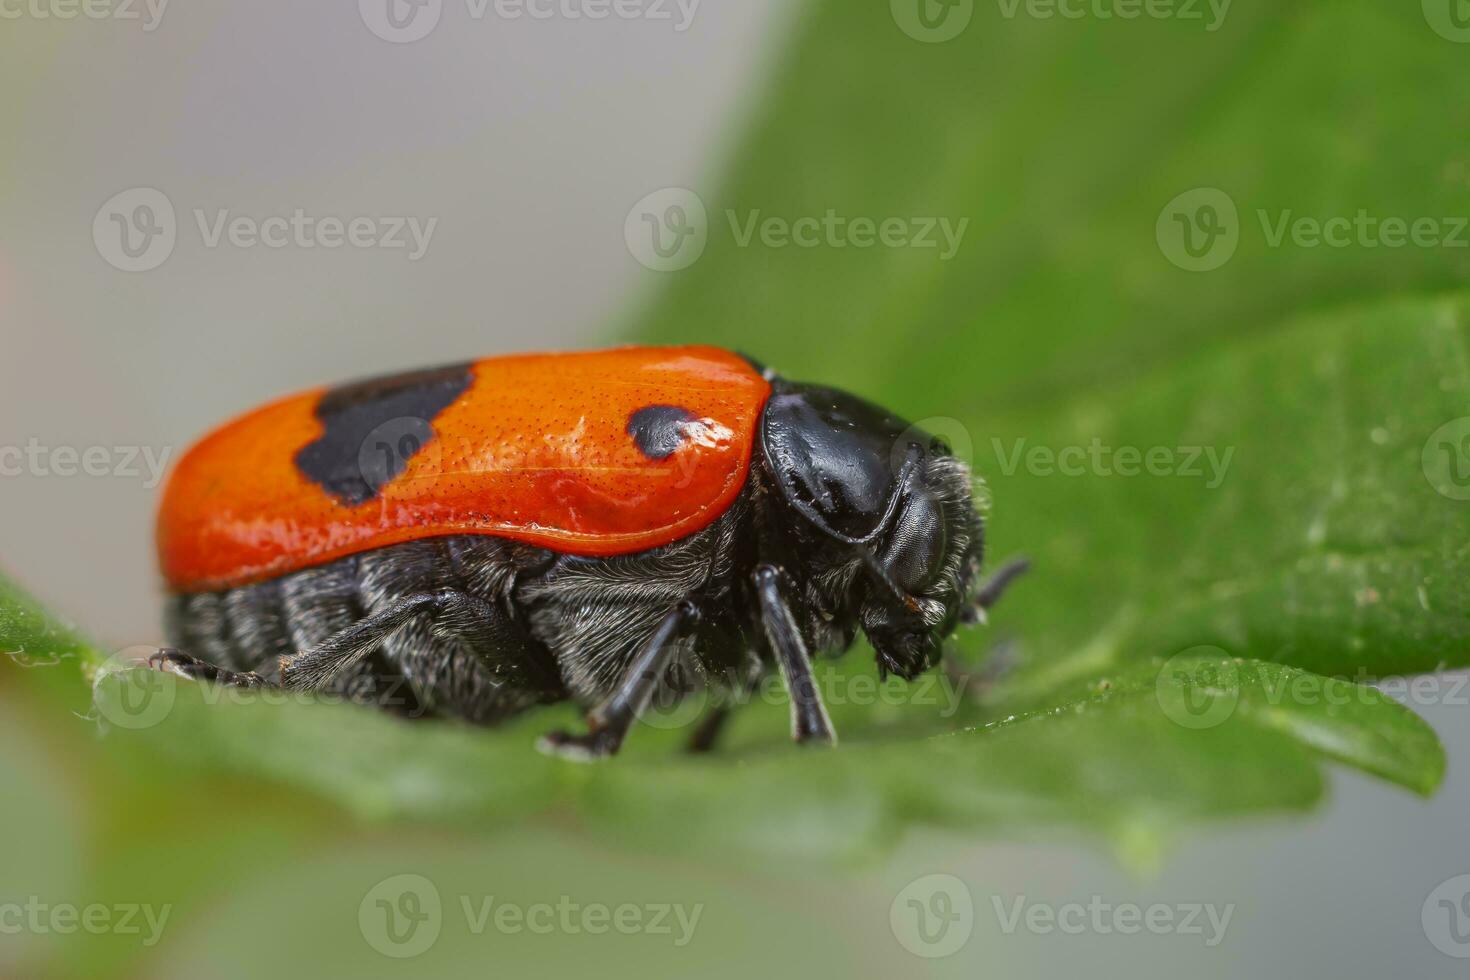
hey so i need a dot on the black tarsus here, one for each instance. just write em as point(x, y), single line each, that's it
point(608, 723)
point(809, 721)
point(171, 661)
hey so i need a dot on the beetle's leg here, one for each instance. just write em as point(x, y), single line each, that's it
point(708, 733)
point(809, 721)
point(313, 669)
point(171, 661)
point(608, 723)
point(974, 682)
point(990, 591)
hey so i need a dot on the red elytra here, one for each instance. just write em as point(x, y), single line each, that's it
point(547, 449)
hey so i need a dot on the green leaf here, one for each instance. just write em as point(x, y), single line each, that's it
point(1121, 759)
point(1191, 645)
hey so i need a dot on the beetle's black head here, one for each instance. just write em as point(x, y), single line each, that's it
point(891, 536)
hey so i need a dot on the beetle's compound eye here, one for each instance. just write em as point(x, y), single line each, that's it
point(916, 550)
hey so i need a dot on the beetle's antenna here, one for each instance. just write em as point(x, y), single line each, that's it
point(990, 591)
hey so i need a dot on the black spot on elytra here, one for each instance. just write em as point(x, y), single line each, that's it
point(658, 430)
point(374, 427)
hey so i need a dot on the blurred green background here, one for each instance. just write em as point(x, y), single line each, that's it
point(1170, 231)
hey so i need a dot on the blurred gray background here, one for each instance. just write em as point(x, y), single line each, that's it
point(528, 141)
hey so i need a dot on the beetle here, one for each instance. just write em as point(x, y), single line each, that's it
point(607, 527)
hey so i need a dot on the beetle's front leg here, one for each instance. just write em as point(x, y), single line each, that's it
point(809, 721)
point(608, 723)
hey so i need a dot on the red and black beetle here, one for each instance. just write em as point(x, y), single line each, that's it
point(477, 539)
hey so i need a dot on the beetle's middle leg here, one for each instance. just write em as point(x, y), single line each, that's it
point(608, 723)
point(707, 734)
